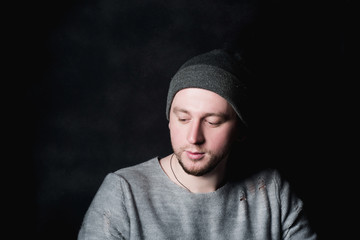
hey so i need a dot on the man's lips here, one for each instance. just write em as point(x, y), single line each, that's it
point(195, 155)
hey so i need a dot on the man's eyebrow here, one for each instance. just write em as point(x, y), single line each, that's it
point(219, 114)
point(177, 109)
point(215, 114)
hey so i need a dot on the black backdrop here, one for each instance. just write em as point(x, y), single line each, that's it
point(95, 101)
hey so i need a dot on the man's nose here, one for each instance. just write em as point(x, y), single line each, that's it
point(195, 134)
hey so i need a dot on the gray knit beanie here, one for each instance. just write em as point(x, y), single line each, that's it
point(218, 71)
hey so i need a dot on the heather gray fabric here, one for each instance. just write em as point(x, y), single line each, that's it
point(141, 202)
point(217, 71)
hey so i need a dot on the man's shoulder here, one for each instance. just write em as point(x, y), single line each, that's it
point(264, 175)
point(261, 179)
point(141, 166)
point(268, 175)
point(139, 170)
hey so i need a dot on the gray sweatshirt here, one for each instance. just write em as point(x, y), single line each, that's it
point(141, 202)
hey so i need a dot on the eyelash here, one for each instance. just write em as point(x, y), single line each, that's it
point(213, 123)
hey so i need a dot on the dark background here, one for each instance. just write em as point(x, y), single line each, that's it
point(95, 75)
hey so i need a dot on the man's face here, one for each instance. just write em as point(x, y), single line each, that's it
point(203, 126)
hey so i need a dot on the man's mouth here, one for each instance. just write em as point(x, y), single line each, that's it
point(195, 155)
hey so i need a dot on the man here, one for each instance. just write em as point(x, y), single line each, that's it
point(193, 193)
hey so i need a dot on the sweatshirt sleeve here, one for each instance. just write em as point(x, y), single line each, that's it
point(295, 225)
point(106, 217)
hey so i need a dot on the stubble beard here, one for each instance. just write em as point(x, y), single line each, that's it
point(210, 165)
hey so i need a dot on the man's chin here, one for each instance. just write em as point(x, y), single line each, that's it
point(197, 167)
point(198, 172)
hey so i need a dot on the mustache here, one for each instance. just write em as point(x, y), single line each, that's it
point(193, 149)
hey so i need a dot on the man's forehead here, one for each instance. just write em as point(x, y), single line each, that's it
point(196, 99)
